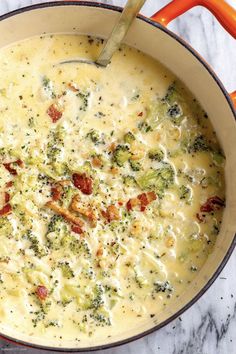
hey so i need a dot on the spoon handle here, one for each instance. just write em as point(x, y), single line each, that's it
point(127, 16)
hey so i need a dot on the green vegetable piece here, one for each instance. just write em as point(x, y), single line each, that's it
point(135, 165)
point(67, 272)
point(156, 154)
point(129, 181)
point(199, 144)
point(218, 158)
point(94, 136)
point(121, 155)
point(185, 193)
point(162, 286)
point(157, 179)
point(144, 127)
point(129, 138)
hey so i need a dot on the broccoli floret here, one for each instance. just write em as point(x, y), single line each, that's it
point(121, 155)
point(129, 138)
point(97, 301)
point(6, 227)
point(57, 229)
point(185, 192)
point(56, 224)
point(198, 145)
point(39, 250)
point(156, 154)
point(84, 96)
point(67, 272)
point(157, 179)
point(129, 181)
point(94, 136)
point(163, 287)
point(144, 127)
point(135, 165)
point(175, 111)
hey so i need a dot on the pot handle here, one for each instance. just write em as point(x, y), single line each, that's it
point(224, 13)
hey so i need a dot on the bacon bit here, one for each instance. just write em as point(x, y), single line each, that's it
point(88, 211)
point(6, 197)
point(120, 203)
point(56, 192)
point(96, 162)
point(140, 114)
point(41, 292)
point(65, 213)
point(142, 200)
point(54, 113)
point(212, 204)
point(11, 170)
point(200, 217)
point(77, 229)
point(112, 147)
point(83, 183)
point(9, 184)
point(99, 252)
point(7, 209)
point(114, 170)
point(72, 87)
point(112, 213)
point(19, 163)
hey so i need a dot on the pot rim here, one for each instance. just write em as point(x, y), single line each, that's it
point(233, 244)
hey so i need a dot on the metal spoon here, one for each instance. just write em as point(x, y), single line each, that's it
point(118, 33)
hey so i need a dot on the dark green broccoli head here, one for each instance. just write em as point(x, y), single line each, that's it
point(93, 135)
point(157, 179)
point(129, 138)
point(156, 154)
point(129, 181)
point(135, 165)
point(67, 272)
point(121, 155)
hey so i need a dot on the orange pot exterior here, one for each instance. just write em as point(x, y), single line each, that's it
point(233, 98)
point(225, 14)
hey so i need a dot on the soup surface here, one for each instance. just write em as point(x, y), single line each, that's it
point(112, 189)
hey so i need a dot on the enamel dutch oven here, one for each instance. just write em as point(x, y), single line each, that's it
point(151, 37)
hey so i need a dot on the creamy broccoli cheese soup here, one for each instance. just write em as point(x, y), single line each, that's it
point(112, 189)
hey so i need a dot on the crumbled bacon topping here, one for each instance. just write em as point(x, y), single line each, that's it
point(212, 204)
point(77, 229)
point(112, 213)
point(142, 200)
point(56, 192)
point(41, 292)
point(10, 169)
point(54, 113)
point(6, 197)
point(83, 183)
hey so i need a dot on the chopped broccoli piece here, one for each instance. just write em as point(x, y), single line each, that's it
point(144, 127)
point(185, 192)
point(218, 158)
point(156, 154)
point(39, 250)
point(129, 138)
point(129, 181)
point(135, 165)
point(6, 228)
point(199, 144)
point(163, 287)
point(175, 111)
point(67, 272)
point(57, 229)
point(84, 100)
point(157, 179)
point(121, 155)
point(97, 301)
point(94, 136)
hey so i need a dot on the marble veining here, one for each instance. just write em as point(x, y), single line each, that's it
point(209, 326)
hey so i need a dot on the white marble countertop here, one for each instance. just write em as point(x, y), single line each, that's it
point(209, 326)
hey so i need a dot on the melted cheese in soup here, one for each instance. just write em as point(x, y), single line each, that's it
point(112, 189)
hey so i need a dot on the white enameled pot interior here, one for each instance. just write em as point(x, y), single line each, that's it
point(98, 21)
